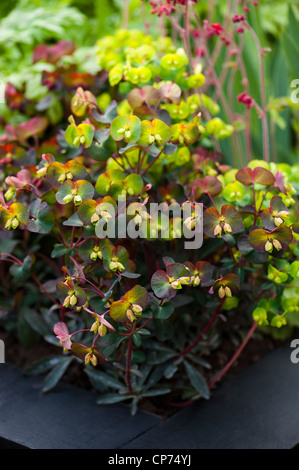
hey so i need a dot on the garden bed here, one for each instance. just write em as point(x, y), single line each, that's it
point(23, 358)
point(256, 409)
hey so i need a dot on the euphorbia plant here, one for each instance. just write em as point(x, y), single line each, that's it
point(141, 310)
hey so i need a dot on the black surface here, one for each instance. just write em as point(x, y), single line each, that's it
point(67, 418)
point(257, 409)
point(5, 444)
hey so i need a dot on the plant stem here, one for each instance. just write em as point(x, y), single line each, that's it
point(36, 280)
point(63, 239)
point(128, 366)
point(211, 199)
point(143, 325)
point(254, 198)
point(91, 283)
point(72, 237)
point(229, 113)
point(264, 196)
point(95, 339)
point(13, 259)
point(263, 93)
point(235, 356)
point(204, 331)
point(50, 261)
point(151, 164)
point(126, 14)
point(80, 331)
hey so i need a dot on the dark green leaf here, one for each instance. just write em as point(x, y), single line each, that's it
point(170, 371)
point(44, 219)
point(20, 273)
point(163, 312)
point(73, 221)
point(197, 381)
point(7, 246)
point(36, 322)
point(59, 250)
point(157, 392)
point(130, 275)
point(137, 340)
point(56, 374)
point(108, 116)
point(126, 148)
point(104, 379)
point(110, 398)
point(154, 151)
point(170, 149)
point(42, 365)
point(26, 335)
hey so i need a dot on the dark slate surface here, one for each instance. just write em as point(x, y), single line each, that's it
point(5, 444)
point(66, 418)
point(257, 409)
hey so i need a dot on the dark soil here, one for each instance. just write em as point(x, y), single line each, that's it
point(254, 351)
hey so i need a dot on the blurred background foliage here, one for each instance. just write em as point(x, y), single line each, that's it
point(25, 24)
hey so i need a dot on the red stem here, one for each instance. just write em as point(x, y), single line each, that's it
point(128, 368)
point(13, 259)
point(91, 283)
point(151, 164)
point(50, 261)
point(72, 237)
point(263, 93)
point(204, 331)
point(36, 280)
point(235, 356)
point(226, 368)
point(143, 325)
point(63, 239)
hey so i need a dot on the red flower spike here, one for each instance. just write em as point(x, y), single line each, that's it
point(238, 18)
point(246, 99)
point(217, 28)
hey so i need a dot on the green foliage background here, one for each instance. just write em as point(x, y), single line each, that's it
point(26, 23)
